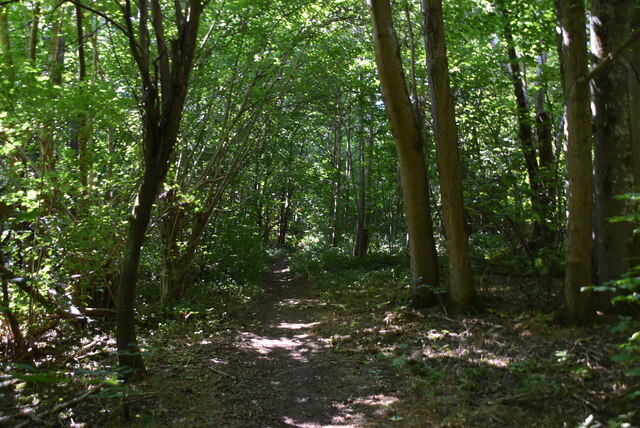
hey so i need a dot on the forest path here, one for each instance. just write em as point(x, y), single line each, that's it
point(279, 368)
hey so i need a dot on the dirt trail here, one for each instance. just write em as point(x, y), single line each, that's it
point(280, 369)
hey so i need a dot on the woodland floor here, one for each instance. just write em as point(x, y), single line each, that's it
point(308, 356)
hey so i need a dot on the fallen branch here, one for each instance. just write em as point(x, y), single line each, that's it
point(221, 373)
point(56, 301)
point(60, 407)
point(99, 312)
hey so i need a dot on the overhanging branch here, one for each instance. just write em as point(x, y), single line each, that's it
point(612, 56)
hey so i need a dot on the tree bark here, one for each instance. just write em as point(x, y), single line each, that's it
point(362, 219)
point(336, 184)
point(409, 146)
point(525, 135)
point(285, 214)
point(33, 36)
point(462, 293)
point(128, 350)
point(634, 102)
point(83, 125)
point(612, 21)
point(5, 44)
point(577, 307)
point(21, 351)
point(160, 122)
point(546, 167)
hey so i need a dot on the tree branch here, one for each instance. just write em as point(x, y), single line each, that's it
point(100, 14)
point(7, 2)
point(612, 56)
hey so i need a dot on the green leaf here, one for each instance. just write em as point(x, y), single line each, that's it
point(633, 371)
point(398, 362)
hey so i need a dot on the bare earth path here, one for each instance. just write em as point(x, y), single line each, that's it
point(345, 357)
point(281, 369)
point(350, 356)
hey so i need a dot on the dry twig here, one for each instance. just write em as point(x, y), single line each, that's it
point(38, 418)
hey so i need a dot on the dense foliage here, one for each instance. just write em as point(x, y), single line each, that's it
point(283, 146)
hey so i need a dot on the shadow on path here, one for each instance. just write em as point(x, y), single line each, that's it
point(281, 369)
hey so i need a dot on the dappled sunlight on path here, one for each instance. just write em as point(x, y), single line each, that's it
point(291, 376)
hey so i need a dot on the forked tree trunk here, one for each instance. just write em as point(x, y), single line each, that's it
point(161, 123)
point(577, 307)
point(462, 293)
point(409, 146)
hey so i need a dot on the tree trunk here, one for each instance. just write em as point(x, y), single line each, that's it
point(612, 22)
point(285, 214)
point(634, 102)
point(546, 166)
point(337, 184)
point(21, 350)
point(463, 295)
point(173, 286)
point(128, 351)
point(409, 147)
point(525, 135)
point(160, 123)
point(84, 123)
point(577, 307)
point(362, 217)
point(47, 153)
point(33, 36)
point(5, 44)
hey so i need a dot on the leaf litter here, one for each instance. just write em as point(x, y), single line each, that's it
point(307, 355)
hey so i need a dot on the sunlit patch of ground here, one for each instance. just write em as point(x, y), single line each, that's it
point(301, 303)
point(297, 326)
point(298, 347)
point(301, 360)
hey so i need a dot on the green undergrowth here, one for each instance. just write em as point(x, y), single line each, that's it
point(74, 359)
point(380, 280)
point(504, 367)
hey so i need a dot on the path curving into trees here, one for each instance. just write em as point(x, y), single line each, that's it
point(283, 366)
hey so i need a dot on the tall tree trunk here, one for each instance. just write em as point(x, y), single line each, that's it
point(611, 23)
point(160, 123)
point(84, 123)
point(577, 307)
point(546, 166)
point(463, 295)
point(525, 134)
point(5, 44)
point(171, 228)
point(128, 350)
point(634, 102)
point(410, 147)
point(362, 217)
point(285, 214)
point(337, 183)
point(47, 153)
point(33, 36)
